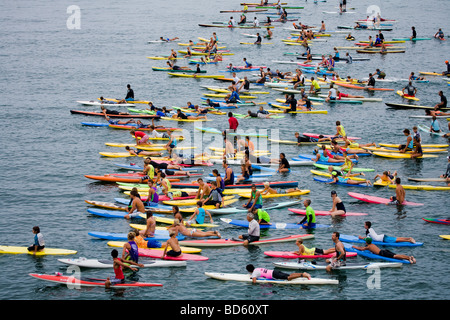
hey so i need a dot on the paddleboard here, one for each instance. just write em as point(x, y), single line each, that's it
point(326, 213)
point(292, 255)
point(438, 221)
point(160, 235)
point(446, 237)
point(424, 128)
point(339, 168)
point(378, 200)
point(246, 278)
point(272, 225)
point(401, 155)
point(44, 252)
point(325, 180)
point(106, 264)
point(73, 282)
point(157, 254)
point(277, 195)
point(348, 266)
point(354, 239)
point(241, 210)
point(401, 94)
point(233, 242)
point(370, 255)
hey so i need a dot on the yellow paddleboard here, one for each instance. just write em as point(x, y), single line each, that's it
point(424, 150)
point(24, 250)
point(218, 95)
point(119, 244)
point(401, 155)
point(390, 145)
point(164, 58)
point(328, 175)
point(192, 209)
point(400, 93)
point(277, 195)
point(189, 202)
point(132, 145)
point(283, 141)
point(447, 237)
point(422, 187)
point(381, 183)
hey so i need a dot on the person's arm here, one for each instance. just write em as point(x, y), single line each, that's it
point(194, 215)
point(360, 248)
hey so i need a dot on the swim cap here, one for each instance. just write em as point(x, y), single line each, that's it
point(368, 240)
point(446, 61)
point(333, 192)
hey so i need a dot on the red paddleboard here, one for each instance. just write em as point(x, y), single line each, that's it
point(89, 282)
point(292, 255)
point(314, 135)
point(378, 200)
point(326, 213)
point(157, 254)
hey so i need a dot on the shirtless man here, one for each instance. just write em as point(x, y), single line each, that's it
point(203, 189)
point(137, 206)
point(150, 226)
point(383, 252)
point(340, 258)
point(399, 197)
point(173, 244)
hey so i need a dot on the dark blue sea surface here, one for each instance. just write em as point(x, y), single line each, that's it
point(46, 67)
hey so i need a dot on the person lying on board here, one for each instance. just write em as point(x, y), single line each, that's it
point(108, 111)
point(193, 232)
point(384, 252)
point(139, 152)
point(273, 274)
point(119, 122)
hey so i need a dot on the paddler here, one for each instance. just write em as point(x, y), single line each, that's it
point(309, 221)
point(409, 142)
point(39, 242)
point(399, 197)
point(257, 200)
point(253, 232)
point(257, 273)
point(340, 259)
point(443, 103)
point(130, 251)
point(383, 252)
point(229, 174)
point(410, 89)
point(315, 87)
point(118, 265)
point(262, 216)
point(137, 206)
point(304, 251)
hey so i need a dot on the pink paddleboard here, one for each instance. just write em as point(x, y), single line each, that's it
point(157, 254)
point(327, 213)
point(378, 200)
point(292, 255)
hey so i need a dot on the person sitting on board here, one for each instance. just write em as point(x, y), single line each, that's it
point(253, 232)
point(370, 233)
point(243, 19)
point(414, 33)
point(255, 200)
point(304, 251)
point(137, 206)
point(130, 250)
point(257, 273)
point(118, 265)
point(439, 35)
point(129, 97)
point(386, 176)
point(339, 259)
point(350, 37)
point(309, 221)
point(147, 244)
point(383, 252)
point(409, 142)
point(417, 152)
point(284, 165)
point(258, 38)
point(39, 242)
point(215, 197)
point(229, 174)
point(261, 216)
point(410, 89)
point(338, 208)
point(446, 73)
point(199, 215)
point(443, 103)
point(150, 225)
point(434, 126)
point(175, 250)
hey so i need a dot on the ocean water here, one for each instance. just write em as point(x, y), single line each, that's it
point(46, 67)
